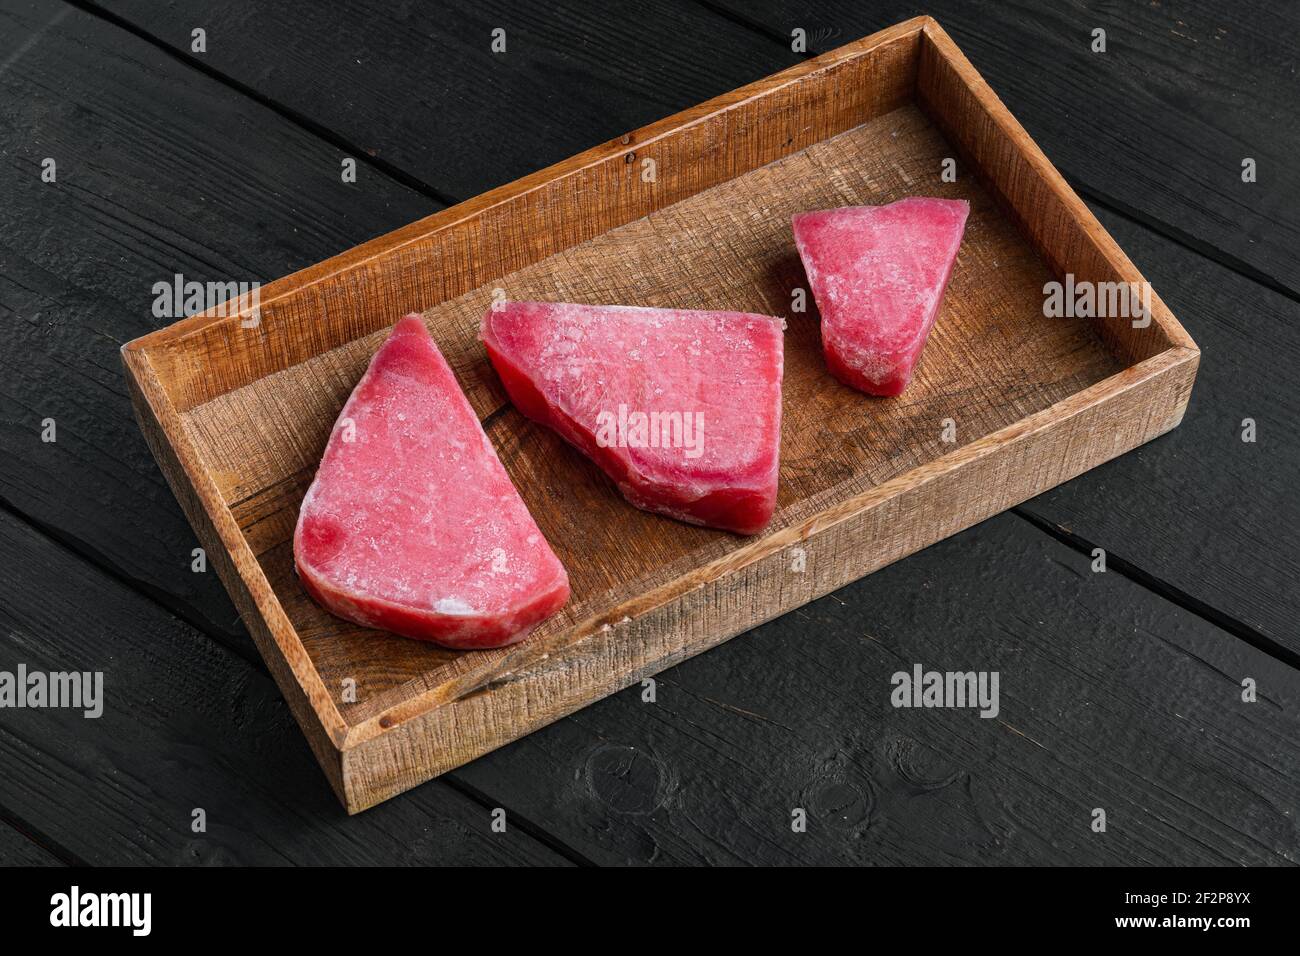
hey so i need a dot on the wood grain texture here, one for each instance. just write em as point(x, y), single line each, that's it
point(237, 416)
point(798, 715)
point(1135, 499)
point(186, 725)
point(159, 170)
point(1124, 500)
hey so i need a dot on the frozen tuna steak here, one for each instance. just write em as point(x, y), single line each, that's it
point(878, 274)
point(682, 409)
point(412, 524)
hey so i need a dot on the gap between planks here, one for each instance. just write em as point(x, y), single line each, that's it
point(1176, 596)
point(38, 839)
point(517, 819)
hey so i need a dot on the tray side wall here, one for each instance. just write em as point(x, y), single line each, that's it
point(1057, 222)
point(899, 518)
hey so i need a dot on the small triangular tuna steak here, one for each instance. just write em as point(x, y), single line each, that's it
point(878, 274)
point(682, 409)
point(412, 524)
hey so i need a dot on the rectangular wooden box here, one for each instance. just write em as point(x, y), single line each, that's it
point(692, 211)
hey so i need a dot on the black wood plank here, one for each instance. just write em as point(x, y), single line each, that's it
point(187, 725)
point(1204, 514)
point(1157, 126)
point(418, 86)
point(1110, 697)
point(159, 170)
point(505, 785)
point(17, 849)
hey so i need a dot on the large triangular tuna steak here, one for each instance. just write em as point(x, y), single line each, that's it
point(682, 409)
point(878, 274)
point(412, 524)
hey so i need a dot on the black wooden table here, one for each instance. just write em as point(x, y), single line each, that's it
point(1120, 690)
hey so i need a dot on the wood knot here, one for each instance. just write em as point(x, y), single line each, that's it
point(842, 804)
point(627, 780)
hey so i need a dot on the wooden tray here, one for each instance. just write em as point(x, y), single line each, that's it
point(238, 417)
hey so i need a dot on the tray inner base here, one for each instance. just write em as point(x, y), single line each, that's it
point(991, 360)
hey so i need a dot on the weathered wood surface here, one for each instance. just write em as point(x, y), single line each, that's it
point(56, 295)
point(187, 726)
point(1156, 127)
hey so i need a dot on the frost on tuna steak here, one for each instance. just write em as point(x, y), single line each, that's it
point(681, 408)
point(878, 274)
point(412, 524)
